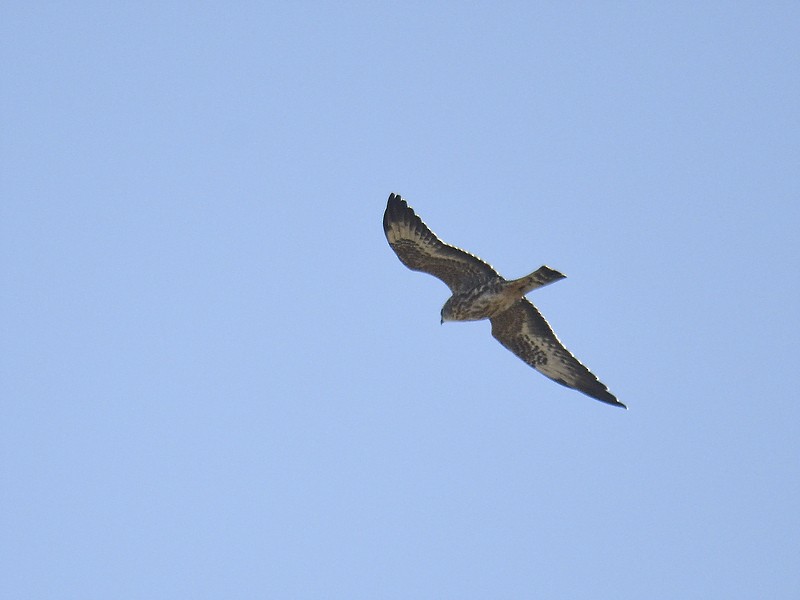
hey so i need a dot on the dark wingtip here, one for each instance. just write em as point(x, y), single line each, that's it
point(395, 199)
point(395, 203)
point(594, 389)
point(609, 398)
point(600, 392)
point(395, 208)
point(391, 207)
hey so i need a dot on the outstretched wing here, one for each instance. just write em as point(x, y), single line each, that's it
point(419, 249)
point(524, 331)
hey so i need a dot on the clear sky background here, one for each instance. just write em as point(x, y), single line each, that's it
point(218, 381)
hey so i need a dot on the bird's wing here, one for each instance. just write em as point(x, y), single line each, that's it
point(524, 331)
point(419, 249)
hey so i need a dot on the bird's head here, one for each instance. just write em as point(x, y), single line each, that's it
point(447, 311)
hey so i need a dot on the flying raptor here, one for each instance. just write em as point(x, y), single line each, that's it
point(479, 292)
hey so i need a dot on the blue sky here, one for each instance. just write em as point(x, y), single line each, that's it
point(219, 382)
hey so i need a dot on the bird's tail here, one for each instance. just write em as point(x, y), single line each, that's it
point(539, 278)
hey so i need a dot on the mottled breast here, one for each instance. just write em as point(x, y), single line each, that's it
point(481, 302)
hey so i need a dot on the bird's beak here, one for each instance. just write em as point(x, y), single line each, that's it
point(441, 322)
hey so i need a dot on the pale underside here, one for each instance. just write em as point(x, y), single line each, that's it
point(520, 328)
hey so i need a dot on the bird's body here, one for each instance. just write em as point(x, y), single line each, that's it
point(479, 292)
point(495, 296)
point(481, 302)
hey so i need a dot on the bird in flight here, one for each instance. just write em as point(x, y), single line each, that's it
point(479, 292)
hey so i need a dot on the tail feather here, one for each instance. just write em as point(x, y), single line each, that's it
point(540, 277)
